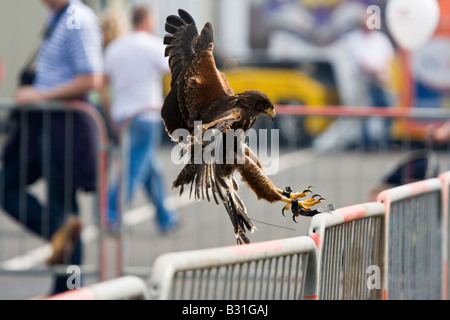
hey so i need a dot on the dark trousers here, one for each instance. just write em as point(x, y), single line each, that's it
point(41, 219)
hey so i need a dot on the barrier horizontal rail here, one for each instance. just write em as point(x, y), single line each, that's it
point(264, 270)
point(326, 110)
point(363, 111)
point(122, 288)
point(350, 244)
point(414, 263)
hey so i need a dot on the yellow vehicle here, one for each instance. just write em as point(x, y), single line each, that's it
point(285, 86)
point(280, 85)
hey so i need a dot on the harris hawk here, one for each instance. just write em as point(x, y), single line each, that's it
point(200, 101)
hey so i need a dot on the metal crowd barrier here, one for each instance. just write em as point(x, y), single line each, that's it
point(391, 249)
point(350, 244)
point(414, 264)
point(264, 270)
point(22, 253)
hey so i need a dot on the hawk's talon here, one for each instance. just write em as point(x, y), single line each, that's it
point(297, 207)
point(289, 194)
point(286, 207)
point(301, 194)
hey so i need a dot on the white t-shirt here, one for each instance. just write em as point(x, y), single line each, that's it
point(135, 64)
point(371, 50)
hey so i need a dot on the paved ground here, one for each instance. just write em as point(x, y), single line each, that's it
point(343, 179)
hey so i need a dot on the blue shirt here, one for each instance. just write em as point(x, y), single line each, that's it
point(74, 48)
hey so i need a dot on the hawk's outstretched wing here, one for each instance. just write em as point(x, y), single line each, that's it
point(195, 79)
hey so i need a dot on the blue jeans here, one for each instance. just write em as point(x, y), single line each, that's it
point(144, 168)
point(379, 98)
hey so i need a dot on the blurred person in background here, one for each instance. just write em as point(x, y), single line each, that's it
point(439, 134)
point(68, 65)
point(114, 24)
point(373, 53)
point(134, 67)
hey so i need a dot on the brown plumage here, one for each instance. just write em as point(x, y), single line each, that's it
point(199, 92)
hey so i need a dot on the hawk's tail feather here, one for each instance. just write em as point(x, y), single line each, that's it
point(243, 237)
point(217, 187)
point(212, 184)
point(204, 179)
point(238, 217)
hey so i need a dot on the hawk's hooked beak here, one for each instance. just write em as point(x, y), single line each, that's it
point(271, 113)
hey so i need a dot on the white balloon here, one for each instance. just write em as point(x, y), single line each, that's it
point(431, 63)
point(412, 22)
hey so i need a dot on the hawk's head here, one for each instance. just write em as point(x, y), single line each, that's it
point(258, 102)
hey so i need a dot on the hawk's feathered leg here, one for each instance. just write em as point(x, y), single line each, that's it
point(253, 174)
